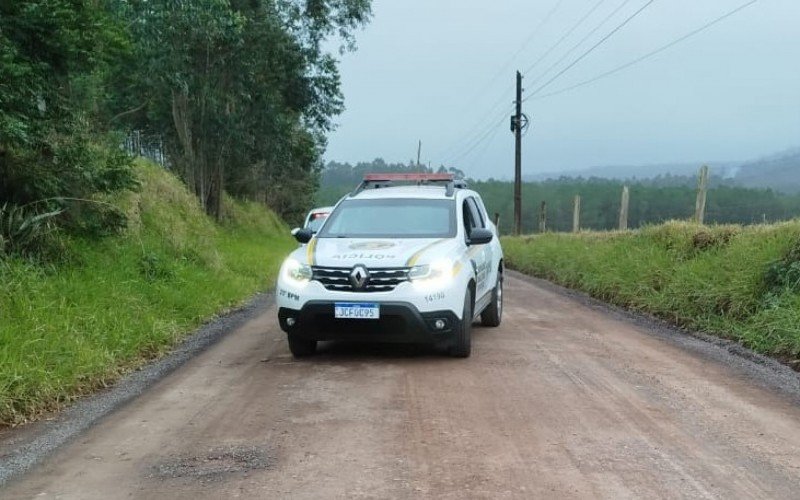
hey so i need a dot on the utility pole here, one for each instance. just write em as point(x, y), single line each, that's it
point(517, 128)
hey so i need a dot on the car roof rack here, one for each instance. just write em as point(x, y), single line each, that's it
point(377, 181)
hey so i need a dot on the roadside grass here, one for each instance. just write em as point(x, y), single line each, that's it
point(68, 329)
point(741, 283)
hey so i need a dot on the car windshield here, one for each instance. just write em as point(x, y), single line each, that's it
point(316, 221)
point(392, 218)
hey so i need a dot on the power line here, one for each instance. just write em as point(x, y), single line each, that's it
point(492, 126)
point(571, 50)
point(649, 54)
point(496, 121)
point(524, 45)
point(590, 50)
point(564, 37)
point(476, 130)
point(482, 136)
point(480, 153)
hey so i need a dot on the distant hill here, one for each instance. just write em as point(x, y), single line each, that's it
point(780, 172)
point(723, 169)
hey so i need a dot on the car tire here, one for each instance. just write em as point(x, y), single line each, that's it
point(462, 344)
point(301, 348)
point(493, 314)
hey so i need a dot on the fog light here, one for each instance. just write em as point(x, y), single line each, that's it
point(439, 324)
point(290, 321)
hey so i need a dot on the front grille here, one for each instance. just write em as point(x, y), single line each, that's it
point(380, 279)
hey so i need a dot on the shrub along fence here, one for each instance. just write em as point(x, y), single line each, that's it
point(737, 282)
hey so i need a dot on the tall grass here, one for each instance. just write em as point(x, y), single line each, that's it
point(68, 329)
point(741, 283)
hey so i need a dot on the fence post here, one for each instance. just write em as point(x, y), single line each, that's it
point(623, 209)
point(543, 217)
point(497, 221)
point(576, 214)
point(702, 189)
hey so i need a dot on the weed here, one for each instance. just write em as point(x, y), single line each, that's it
point(23, 230)
point(154, 268)
point(76, 325)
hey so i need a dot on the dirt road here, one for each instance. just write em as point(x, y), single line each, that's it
point(564, 400)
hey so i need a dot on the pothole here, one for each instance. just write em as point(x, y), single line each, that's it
point(214, 464)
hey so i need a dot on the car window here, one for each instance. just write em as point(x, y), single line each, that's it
point(391, 217)
point(477, 213)
point(482, 209)
point(316, 221)
point(470, 219)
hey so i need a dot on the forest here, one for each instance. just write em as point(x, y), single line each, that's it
point(652, 201)
point(240, 94)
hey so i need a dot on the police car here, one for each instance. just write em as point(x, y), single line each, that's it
point(403, 258)
point(316, 217)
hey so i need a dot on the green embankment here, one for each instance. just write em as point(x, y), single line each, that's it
point(741, 283)
point(68, 329)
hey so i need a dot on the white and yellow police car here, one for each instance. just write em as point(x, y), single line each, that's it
point(404, 258)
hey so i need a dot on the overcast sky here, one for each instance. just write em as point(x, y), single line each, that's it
point(443, 72)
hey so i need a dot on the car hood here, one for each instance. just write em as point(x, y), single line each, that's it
point(383, 252)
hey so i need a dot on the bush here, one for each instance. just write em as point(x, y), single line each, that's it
point(23, 231)
point(784, 275)
point(55, 151)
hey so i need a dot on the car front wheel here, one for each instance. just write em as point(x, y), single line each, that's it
point(301, 348)
point(462, 344)
point(493, 314)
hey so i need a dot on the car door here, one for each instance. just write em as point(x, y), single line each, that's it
point(480, 255)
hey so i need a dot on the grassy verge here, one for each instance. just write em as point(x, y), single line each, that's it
point(736, 282)
point(67, 329)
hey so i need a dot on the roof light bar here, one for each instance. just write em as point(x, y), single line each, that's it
point(376, 181)
point(411, 177)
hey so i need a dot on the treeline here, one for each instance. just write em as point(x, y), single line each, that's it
point(339, 179)
point(242, 93)
point(652, 201)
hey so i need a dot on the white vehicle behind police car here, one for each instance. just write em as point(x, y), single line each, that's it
point(415, 262)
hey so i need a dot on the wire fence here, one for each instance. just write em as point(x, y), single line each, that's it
point(150, 146)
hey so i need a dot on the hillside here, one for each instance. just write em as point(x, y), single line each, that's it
point(106, 306)
point(780, 172)
point(722, 169)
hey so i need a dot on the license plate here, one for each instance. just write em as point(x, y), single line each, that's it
point(356, 310)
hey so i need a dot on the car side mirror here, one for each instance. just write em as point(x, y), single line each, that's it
point(295, 230)
point(303, 235)
point(480, 236)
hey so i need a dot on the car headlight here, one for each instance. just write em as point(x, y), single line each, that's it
point(297, 271)
point(436, 273)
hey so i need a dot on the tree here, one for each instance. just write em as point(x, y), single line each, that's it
point(242, 90)
point(54, 55)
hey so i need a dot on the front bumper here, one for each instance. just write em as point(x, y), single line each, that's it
point(400, 322)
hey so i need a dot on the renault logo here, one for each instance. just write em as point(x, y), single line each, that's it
point(359, 277)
